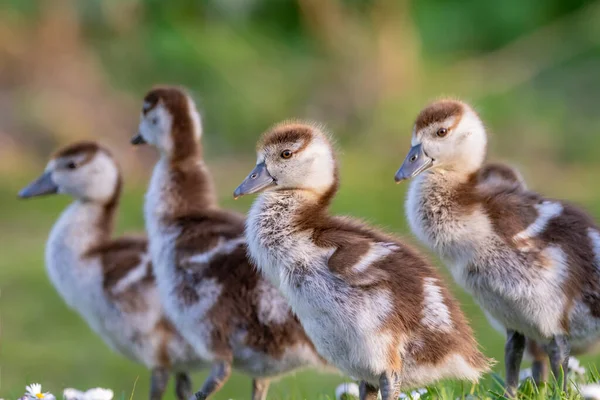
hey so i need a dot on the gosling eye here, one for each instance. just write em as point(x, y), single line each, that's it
point(286, 154)
point(154, 120)
point(71, 165)
point(442, 132)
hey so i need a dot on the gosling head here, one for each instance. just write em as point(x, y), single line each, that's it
point(169, 121)
point(292, 156)
point(448, 135)
point(83, 170)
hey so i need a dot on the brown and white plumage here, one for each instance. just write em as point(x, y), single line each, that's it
point(373, 306)
point(533, 263)
point(501, 177)
point(230, 314)
point(109, 281)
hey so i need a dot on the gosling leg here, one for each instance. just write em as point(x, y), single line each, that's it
point(513, 355)
point(389, 385)
point(559, 350)
point(367, 391)
point(539, 371)
point(158, 382)
point(219, 373)
point(539, 367)
point(183, 386)
point(260, 387)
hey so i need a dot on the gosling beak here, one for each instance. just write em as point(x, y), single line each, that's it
point(41, 186)
point(138, 139)
point(415, 162)
point(258, 180)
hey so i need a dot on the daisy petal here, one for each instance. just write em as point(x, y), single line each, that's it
point(347, 389)
point(99, 394)
point(590, 392)
point(73, 394)
point(33, 389)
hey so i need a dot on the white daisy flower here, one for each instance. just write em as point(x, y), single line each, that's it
point(590, 392)
point(34, 392)
point(524, 374)
point(350, 390)
point(347, 390)
point(91, 394)
point(414, 395)
point(575, 366)
point(99, 394)
point(72, 394)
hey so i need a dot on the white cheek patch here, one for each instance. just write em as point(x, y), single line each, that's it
point(162, 130)
point(318, 167)
point(102, 175)
point(546, 211)
point(145, 127)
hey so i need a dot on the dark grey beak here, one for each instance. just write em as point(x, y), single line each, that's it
point(415, 162)
point(259, 179)
point(138, 139)
point(41, 186)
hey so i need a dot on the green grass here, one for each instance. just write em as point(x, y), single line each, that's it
point(43, 341)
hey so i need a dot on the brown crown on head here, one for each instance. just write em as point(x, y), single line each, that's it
point(77, 148)
point(288, 132)
point(85, 148)
point(439, 111)
point(176, 101)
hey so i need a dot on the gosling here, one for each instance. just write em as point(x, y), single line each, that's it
point(373, 306)
point(109, 282)
point(231, 315)
point(532, 263)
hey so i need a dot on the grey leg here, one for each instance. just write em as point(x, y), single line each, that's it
point(558, 352)
point(389, 385)
point(539, 367)
point(539, 370)
point(158, 382)
point(367, 391)
point(260, 387)
point(183, 386)
point(219, 373)
point(513, 355)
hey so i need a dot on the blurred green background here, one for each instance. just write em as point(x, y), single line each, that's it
point(78, 70)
